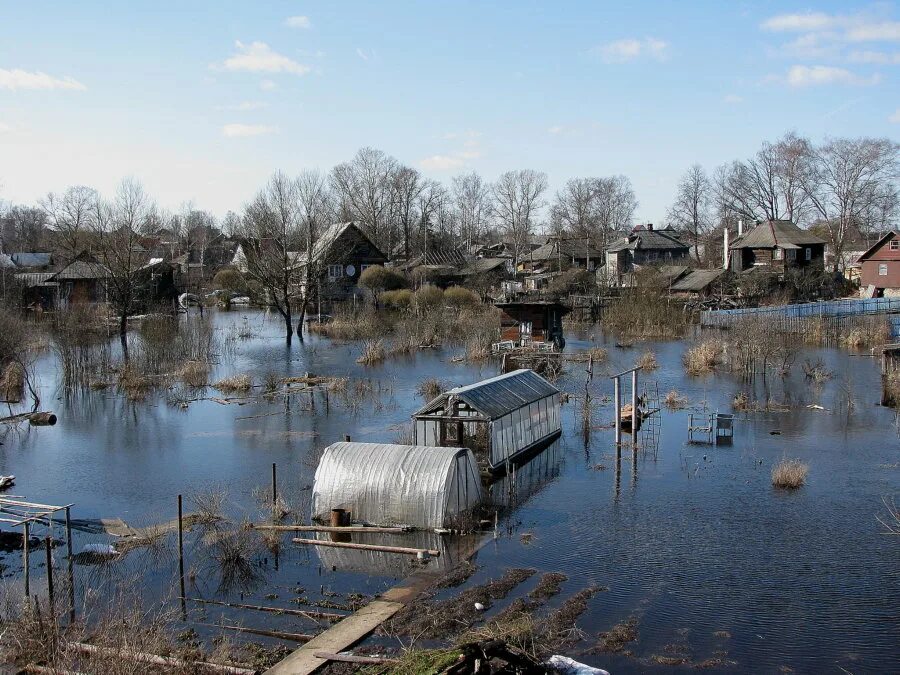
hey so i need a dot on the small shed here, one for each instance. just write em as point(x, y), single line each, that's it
point(503, 417)
point(526, 322)
point(385, 484)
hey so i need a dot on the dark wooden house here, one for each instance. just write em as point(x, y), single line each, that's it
point(880, 266)
point(777, 245)
point(643, 246)
point(531, 322)
point(81, 281)
point(339, 257)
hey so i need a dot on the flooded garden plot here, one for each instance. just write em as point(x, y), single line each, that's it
point(673, 557)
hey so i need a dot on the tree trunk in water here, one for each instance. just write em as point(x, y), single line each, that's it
point(301, 319)
point(123, 335)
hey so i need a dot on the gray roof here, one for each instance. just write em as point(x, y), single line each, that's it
point(648, 239)
point(777, 234)
point(485, 265)
point(30, 259)
point(566, 248)
point(497, 396)
point(6, 261)
point(34, 279)
point(81, 269)
point(697, 280)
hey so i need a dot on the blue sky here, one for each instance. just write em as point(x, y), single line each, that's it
point(203, 100)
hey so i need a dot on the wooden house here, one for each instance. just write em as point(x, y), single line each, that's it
point(777, 245)
point(643, 246)
point(880, 266)
point(82, 281)
point(339, 257)
point(561, 253)
point(532, 322)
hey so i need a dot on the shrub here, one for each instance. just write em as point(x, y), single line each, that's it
point(428, 296)
point(373, 352)
point(430, 389)
point(230, 279)
point(648, 361)
point(194, 373)
point(675, 401)
point(233, 384)
point(789, 474)
point(456, 296)
point(377, 278)
point(573, 280)
point(398, 299)
point(703, 358)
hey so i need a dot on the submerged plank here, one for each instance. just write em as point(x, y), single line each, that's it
point(337, 638)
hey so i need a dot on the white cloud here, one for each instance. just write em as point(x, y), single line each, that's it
point(24, 79)
point(883, 58)
point(801, 23)
point(258, 57)
point(807, 76)
point(244, 130)
point(442, 162)
point(244, 106)
point(895, 118)
point(882, 31)
point(298, 22)
point(267, 85)
point(468, 134)
point(362, 54)
point(733, 99)
point(622, 51)
point(555, 130)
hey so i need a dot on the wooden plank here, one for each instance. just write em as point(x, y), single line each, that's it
point(328, 528)
point(337, 638)
point(368, 547)
point(352, 658)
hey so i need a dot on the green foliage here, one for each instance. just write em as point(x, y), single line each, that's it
point(428, 296)
point(399, 299)
point(457, 296)
point(230, 279)
point(377, 278)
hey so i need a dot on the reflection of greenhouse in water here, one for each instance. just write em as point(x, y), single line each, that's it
point(453, 549)
point(526, 479)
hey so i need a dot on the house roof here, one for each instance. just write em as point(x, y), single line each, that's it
point(81, 269)
point(328, 238)
point(648, 240)
point(30, 259)
point(497, 396)
point(697, 280)
point(566, 248)
point(6, 261)
point(776, 234)
point(34, 279)
point(876, 246)
point(482, 265)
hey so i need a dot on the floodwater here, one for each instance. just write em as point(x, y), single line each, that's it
point(691, 540)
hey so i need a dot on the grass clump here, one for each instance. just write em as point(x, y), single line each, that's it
point(703, 358)
point(816, 371)
point(789, 474)
point(675, 401)
point(373, 352)
point(12, 383)
point(615, 639)
point(430, 388)
point(134, 383)
point(647, 361)
point(234, 384)
point(194, 374)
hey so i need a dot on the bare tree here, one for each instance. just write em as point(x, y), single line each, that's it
point(115, 226)
point(517, 199)
point(406, 185)
point(691, 209)
point(472, 197)
point(847, 180)
point(431, 202)
point(315, 208)
point(364, 188)
point(69, 215)
point(24, 229)
point(272, 237)
point(615, 204)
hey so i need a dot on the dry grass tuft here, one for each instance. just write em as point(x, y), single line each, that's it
point(703, 358)
point(789, 474)
point(12, 383)
point(135, 383)
point(648, 361)
point(817, 372)
point(194, 374)
point(234, 384)
point(430, 388)
point(675, 401)
point(615, 639)
point(373, 352)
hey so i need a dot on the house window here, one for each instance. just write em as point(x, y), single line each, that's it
point(778, 254)
point(335, 272)
point(882, 270)
point(363, 268)
point(791, 254)
point(808, 253)
point(895, 244)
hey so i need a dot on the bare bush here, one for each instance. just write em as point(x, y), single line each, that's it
point(234, 384)
point(789, 474)
point(703, 358)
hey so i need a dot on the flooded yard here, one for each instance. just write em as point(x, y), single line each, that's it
point(693, 557)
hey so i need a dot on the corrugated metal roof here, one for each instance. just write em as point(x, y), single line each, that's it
point(648, 240)
point(697, 280)
point(30, 259)
point(389, 484)
point(82, 269)
point(497, 396)
point(33, 279)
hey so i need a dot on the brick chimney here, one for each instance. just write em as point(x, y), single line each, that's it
point(650, 226)
point(740, 227)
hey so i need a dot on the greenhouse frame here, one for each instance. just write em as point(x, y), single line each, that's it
point(505, 417)
point(393, 485)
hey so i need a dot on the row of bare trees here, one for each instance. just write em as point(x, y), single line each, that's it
point(840, 187)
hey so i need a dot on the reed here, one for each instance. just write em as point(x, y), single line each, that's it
point(703, 358)
point(372, 353)
point(647, 361)
point(789, 474)
point(234, 384)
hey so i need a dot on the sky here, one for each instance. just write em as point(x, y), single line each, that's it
point(203, 100)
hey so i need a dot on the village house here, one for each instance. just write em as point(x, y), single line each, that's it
point(879, 272)
point(777, 245)
point(643, 246)
point(561, 253)
point(81, 281)
point(340, 255)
